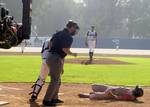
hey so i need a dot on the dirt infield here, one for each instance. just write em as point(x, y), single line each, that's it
point(75, 60)
point(17, 96)
point(95, 61)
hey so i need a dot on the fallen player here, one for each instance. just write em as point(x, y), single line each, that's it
point(104, 92)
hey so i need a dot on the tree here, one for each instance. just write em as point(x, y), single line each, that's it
point(138, 17)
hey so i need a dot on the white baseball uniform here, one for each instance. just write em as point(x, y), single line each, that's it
point(91, 39)
point(44, 68)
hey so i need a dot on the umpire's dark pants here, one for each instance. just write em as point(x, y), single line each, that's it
point(55, 63)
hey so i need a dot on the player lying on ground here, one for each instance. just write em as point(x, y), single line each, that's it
point(103, 92)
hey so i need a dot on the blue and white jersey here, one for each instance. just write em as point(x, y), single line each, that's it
point(45, 49)
point(91, 35)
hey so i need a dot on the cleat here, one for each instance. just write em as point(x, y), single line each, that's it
point(57, 101)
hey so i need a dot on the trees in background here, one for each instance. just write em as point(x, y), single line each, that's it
point(112, 18)
point(138, 15)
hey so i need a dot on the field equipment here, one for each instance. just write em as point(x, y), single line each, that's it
point(11, 32)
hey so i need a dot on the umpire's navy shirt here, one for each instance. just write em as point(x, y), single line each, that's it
point(60, 40)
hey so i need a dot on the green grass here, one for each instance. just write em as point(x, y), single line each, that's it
point(26, 69)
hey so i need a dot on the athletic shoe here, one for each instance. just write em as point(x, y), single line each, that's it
point(48, 103)
point(33, 98)
point(83, 95)
point(57, 101)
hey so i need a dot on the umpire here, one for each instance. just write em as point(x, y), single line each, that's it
point(60, 47)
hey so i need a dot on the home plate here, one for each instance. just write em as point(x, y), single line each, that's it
point(60, 94)
point(3, 102)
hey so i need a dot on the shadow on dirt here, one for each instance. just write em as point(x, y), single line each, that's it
point(35, 104)
point(136, 101)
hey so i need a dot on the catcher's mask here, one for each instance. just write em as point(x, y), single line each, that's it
point(138, 92)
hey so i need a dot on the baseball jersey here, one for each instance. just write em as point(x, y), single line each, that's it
point(123, 93)
point(45, 48)
point(91, 35)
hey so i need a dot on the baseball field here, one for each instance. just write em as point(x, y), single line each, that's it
point(18, 72)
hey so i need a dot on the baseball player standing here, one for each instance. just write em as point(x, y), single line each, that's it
point(43, 73)
point(60, 47)
point(91, 40)
point(23, 45)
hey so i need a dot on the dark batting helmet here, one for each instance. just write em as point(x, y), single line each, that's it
point(138, 92)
